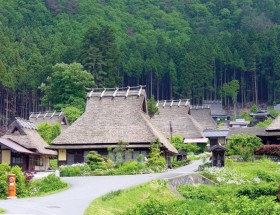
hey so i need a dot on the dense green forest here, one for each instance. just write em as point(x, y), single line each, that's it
point(177, 48)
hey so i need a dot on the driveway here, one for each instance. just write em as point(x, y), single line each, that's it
point(83, 190)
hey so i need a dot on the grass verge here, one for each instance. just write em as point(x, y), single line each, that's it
point(118, 202)
point(2, 211)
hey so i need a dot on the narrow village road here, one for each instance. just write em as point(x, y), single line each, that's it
point(83, 190)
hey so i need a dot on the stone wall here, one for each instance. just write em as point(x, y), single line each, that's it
point(191, 178)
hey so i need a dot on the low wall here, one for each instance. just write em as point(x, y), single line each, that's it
point(190, 178)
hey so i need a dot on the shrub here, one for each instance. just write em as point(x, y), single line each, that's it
point(95, 161)
point(178, 163)
point(4, 169)
point(244, 145)
point(255, 191)
point(268, 176)
point(268, 150)
point(53, 164)
point(155, 161)
point(246, 206)
point(156, 207)
point(75, 170)
point(45, 185)
point(131, 167)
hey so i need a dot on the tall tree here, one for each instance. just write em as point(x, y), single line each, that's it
point(100, 56)
point(67, 86)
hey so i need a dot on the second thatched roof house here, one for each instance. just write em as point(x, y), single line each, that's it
point(111, 116)
point(174, 119)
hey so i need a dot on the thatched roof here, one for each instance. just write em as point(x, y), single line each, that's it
point(51, 117)
point(113, 115)
point(216, 107)
point(179, 118)
point(275, 125)
point(203, 117)
point(255, 131)
point(23, 132)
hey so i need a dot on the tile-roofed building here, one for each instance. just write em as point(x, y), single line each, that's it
point(51, 117)
point(176, 114)
point(239, 123)
point(111, 116)
point(23, 146)
point(216, 136)
point(203, 116)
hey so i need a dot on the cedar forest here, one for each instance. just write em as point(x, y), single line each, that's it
point(177, 48)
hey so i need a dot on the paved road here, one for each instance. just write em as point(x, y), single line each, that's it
point(76, 199)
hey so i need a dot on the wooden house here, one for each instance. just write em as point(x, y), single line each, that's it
point(175, 118)
point(23, 146)
point(51, 117)
point(111, 116)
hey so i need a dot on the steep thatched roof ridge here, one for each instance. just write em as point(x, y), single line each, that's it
point(51, 117)
point(117, 92)
point(275, 125)
point(182, 123)
point(110, 119)
point(203, 117)
point(27, 136)
point(170, 103)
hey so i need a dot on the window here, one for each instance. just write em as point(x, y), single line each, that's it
point(17, 159)
point(36, 161)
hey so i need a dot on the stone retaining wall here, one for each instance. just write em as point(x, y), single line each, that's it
point(191, 178)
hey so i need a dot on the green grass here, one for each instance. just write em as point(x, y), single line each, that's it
point(204, 199)
point(252, 169)
point(2, 211)
point(120, 201)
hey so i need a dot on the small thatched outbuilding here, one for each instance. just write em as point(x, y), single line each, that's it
point(111, 116)
point(23, 146)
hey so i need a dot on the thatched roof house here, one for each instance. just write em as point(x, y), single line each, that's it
point(203, 116)
point(51, 117)
point(175, 116)
point(22, 143)
point(111, 116)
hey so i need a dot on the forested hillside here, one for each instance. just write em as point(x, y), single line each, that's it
point(177, 48)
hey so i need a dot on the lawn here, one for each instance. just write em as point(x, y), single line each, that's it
point(244, 188)
point(118, 202)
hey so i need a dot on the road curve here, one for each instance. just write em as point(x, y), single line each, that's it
point(83, 190)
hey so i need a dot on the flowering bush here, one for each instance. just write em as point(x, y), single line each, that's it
point(269, 150)
point(228, 176)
